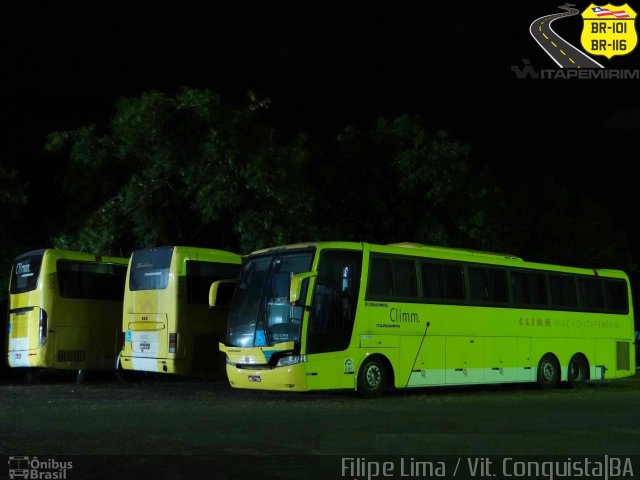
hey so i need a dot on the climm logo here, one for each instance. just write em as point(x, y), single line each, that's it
point(535, 322)
point(398, 316)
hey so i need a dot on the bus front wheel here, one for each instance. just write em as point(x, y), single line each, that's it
point(578, 371)
point(548, 372)
point(372, 377)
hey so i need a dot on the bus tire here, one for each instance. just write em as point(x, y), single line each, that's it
point(372, 377)
point(548, 371)
point(578, 372)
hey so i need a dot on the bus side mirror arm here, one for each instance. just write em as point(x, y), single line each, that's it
point(213, 292)
point(295, 290)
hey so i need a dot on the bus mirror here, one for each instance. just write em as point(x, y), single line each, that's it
point(220, 293)
point(297, 281)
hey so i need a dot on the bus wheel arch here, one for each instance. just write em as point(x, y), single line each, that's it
point(578, 370)
point(548, 375)
point(375, 375)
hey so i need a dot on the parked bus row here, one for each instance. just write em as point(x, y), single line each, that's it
point(324, 315)
point(76, 311)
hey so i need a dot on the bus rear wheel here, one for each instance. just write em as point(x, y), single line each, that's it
point(372, 377)
point(548, 372)
point(578, 371)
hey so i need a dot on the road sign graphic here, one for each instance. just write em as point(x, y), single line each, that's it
point(609, 30)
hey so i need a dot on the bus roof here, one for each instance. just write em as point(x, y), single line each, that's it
point(73, 255)
point(458, 251)
point(447, 253)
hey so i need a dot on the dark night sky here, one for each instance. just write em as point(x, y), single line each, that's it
point(324, 65)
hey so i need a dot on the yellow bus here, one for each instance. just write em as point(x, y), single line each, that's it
point(65, 310)
point(341, 315)
point(167, 322)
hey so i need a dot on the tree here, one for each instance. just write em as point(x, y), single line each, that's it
point(13, 199)
point(550, 223)
point(399, 182)
point(183, 169)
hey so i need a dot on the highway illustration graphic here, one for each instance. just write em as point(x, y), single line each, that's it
point(562, 52)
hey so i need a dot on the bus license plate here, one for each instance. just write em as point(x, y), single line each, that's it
point(254, 378)
point(145, 346)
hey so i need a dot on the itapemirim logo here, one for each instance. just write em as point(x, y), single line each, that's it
point(608, 31)
point(34, 468)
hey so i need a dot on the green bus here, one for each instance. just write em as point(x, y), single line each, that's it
point(343, 315)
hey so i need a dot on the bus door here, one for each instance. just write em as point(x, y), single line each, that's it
point(331, 319)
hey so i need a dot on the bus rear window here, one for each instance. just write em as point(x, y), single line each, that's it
point(150, 269)
point(26, 270)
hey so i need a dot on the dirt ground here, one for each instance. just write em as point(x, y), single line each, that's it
point(170, 427)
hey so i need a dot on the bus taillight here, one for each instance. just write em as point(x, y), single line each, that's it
point(173, 342)
point(42, 327)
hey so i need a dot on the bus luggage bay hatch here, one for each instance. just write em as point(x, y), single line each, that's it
point(342, 315)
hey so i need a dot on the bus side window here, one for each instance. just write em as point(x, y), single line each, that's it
point(528, 288)
point(616, 296)
point(590, 292)
point(200, 276)
point(563, 291)
point(381, 278)
point(488, 285)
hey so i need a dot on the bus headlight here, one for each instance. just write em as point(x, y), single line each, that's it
point(291, 360)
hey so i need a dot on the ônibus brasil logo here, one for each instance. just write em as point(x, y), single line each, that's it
point(34, 468)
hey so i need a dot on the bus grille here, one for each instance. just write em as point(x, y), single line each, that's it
point(71, 356)
point(622, 355)
point(205, 353)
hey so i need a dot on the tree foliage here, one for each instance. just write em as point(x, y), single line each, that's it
point(555, 225)
point(186, 169)
point(13, 199)
point(397, 181)
point(191, 169)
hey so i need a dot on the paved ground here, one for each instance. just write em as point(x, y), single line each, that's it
point(192, 420)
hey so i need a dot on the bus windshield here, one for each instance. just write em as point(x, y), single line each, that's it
point(150, 269)
point(261, 314)
point(26, 270)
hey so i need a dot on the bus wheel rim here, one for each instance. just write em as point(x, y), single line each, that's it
point(373, 376)
point(547, 371)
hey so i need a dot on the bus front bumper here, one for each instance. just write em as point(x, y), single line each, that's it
point(290, 378)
